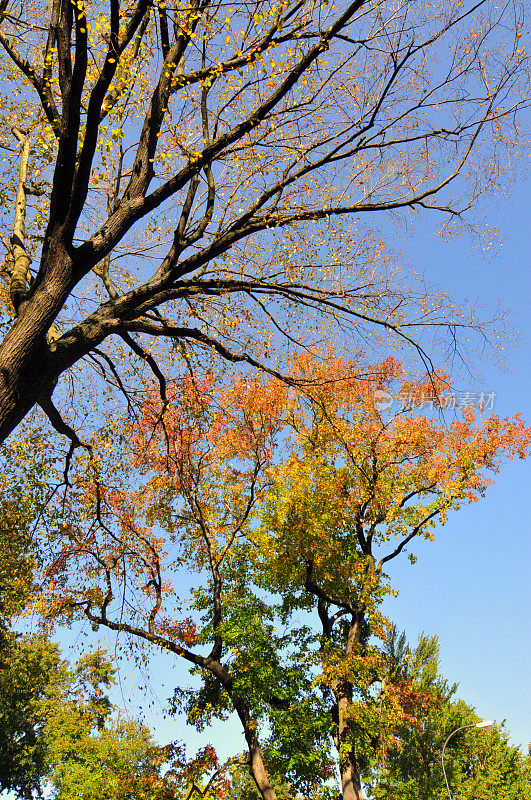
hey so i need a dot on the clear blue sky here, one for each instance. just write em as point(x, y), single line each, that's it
point(472, 585)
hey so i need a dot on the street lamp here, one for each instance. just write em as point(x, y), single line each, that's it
point(486, 723)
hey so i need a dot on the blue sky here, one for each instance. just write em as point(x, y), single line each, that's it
point(472, 585)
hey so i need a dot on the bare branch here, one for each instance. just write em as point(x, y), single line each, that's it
point(21, 261)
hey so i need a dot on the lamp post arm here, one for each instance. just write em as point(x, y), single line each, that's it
point(464, 727)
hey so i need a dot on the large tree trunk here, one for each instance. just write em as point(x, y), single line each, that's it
point(256, 762)
point(24, 371)
point(29, 366)
point(349, 769)
point(24, 351)
point(351, 781)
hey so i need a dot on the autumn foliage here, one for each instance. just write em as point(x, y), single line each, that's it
point(186, 185)
point(277, 500)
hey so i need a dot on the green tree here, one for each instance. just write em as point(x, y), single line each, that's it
point(30, 666)
point(31, 680)
point(93, 755)
point(479, 763)
point(25, 471)
point(37, 687)
point(59, 732)
point(118, 761)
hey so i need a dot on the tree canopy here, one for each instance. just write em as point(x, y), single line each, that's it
point(39, 694)
point(61, 736)
point(281, 503)
point(24, 492)
point(199, 173)
point(31, 675)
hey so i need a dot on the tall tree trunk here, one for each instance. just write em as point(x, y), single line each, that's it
point(23, 372)
point(351, 780)
point(23, 353)
point(256, 762)
point(348, 766)
point(29, 366)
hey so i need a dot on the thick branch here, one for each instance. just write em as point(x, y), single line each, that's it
point(313, 587)
point(214, 667)
point(21, 262)
point(416, 530)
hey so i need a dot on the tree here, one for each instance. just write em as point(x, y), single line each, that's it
point(362, 483)
point(184, 172)
point(92, 752)
point(343, 489)
point(30, 666)
point(24, 491)
point(202, 466)
point(32, 673)
point(60, 734)
point(478, 764)
point(120, 761)
point(38, 689)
